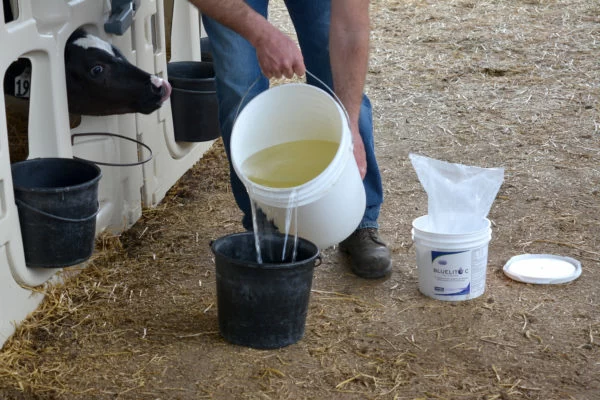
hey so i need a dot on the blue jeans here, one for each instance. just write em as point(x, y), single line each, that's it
point(236, 69)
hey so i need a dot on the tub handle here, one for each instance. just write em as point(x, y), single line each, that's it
point(64, 219)
point(332, 94)
point(308, 73)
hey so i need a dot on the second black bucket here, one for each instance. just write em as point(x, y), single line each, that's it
point(262, 306)
point(205, 49)
point(57, 199)
point(194, 101)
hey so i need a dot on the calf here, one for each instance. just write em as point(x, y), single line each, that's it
point(100, 80)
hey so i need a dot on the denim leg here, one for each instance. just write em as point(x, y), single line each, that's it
point(236, 69)
point(311, 20)
point(372, 181)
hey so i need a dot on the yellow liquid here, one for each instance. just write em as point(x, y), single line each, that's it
point(289, 164)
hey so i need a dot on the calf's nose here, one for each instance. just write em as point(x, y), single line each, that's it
point(161, 87)
point(166, 91)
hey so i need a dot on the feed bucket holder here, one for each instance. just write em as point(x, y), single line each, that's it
point(263, 305)
point(194, 104)
point(116, 136)
point(57, 200)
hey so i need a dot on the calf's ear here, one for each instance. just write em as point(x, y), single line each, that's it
point(77, 34)
point(118, 53)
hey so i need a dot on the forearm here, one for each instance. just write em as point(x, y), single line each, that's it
point(277, 54)
point(349, 51)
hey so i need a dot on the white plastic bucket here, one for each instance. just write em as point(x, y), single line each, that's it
point(330, 206)
point(451, 266)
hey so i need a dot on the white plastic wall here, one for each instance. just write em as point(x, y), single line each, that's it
point(40, 33)
point(171, 159)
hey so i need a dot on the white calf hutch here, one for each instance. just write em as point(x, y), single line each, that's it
point(39, 32)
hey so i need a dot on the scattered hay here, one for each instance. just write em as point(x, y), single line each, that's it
point(488, 83)
point(63, 308)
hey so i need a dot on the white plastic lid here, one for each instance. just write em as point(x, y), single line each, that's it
point(542, 268)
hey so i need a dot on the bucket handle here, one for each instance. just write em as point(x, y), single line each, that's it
point(44, 213)
point(308, 73)
point(333, 94)
point(318, 261)
point(113, 135)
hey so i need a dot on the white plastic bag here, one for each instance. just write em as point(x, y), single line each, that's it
point(459, 197)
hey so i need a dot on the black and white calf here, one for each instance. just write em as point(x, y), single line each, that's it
point(100, 80)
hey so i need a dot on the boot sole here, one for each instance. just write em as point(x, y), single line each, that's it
point(375, 275)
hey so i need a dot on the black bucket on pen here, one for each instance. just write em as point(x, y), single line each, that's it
point(194, 103)
point(263, 305)
point(57, 201)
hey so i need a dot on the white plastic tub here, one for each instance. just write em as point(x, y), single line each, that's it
point(452, 266)
point(330, 206)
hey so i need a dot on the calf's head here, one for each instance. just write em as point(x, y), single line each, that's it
point(100, 80)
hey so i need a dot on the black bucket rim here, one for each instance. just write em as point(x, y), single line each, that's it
point(267, 266)
point(78, 186)
point(190, 62)
point(176, 79)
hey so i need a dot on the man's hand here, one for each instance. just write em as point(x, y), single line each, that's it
point(359, 151)
point(278, 55)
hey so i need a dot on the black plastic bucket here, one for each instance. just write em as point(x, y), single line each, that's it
point(194, 103)
point(205, 49)
point(57, 199)
point(262, 306)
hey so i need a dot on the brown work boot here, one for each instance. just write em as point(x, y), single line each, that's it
point(370, 256)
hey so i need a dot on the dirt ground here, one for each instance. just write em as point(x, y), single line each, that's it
point(502, 83)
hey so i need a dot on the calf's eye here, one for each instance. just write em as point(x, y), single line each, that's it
point(97, 70)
